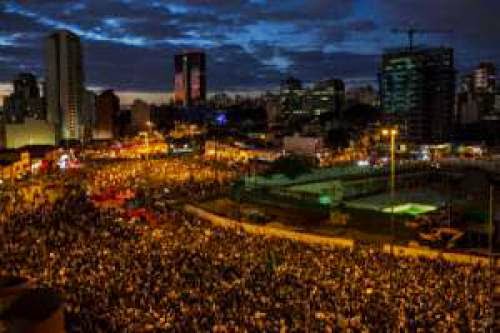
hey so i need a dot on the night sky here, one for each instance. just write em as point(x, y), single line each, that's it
point(251, 44)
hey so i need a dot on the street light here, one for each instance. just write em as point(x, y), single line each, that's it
point(149, 125)
point(392, 133)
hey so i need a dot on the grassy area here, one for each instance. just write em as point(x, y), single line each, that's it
point(412, 209)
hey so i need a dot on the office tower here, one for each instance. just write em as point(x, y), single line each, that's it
point(64, 84)
point(326, 98)
point(417, 90)
point(107, 109)
point(190, 79)
point(25, 100)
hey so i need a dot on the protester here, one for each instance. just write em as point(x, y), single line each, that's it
point(186, 275)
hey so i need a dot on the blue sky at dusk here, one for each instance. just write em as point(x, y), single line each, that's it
point(250, 44)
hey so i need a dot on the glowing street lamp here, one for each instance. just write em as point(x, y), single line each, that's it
point(149, 125)
point(392, 133)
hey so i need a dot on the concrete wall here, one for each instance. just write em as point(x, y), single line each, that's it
point(269, 231)
point(401, 251)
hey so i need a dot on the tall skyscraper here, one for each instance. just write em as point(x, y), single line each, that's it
point(418, 90)
point(190, 78)
point(108, 108)
point(64, 83)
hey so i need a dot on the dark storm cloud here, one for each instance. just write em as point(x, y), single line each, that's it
point(129, 44)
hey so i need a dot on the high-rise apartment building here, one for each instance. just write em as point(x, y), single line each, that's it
point(417, 90)
point(190, 78)
point(64, 84)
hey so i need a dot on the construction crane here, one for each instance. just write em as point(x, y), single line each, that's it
point(411, 32)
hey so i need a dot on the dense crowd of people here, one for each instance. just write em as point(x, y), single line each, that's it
point(193, 178)
point(187, 275)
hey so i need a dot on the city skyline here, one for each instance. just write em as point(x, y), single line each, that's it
point(249, 166)
point(129, 45)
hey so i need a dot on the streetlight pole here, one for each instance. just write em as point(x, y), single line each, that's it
point(392, 134)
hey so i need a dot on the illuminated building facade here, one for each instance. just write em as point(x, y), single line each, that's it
point(326, 97)
point(418, 90)
point(64, 83)
point(190, 79)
